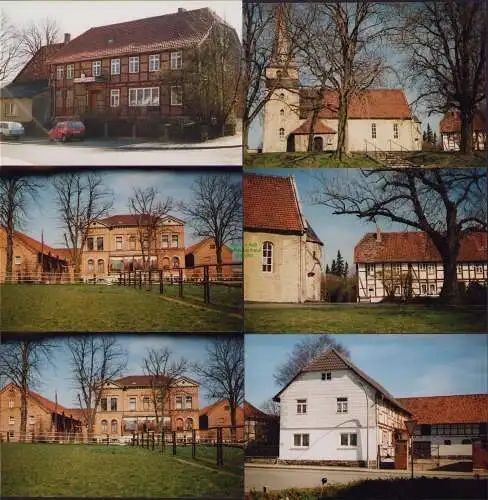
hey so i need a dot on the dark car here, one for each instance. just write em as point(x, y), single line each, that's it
point(68, 130)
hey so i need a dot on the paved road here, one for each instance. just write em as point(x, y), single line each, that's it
point(275, 478)
point(74, 154)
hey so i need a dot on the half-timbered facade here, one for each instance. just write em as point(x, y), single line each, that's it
point(405, 263)
point(450, 127)
point(116, 243)
point(332, 412)
point(133, 78)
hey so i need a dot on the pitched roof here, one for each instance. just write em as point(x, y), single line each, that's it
point(215, 405)
point(331, 360)
point(457, 409)
point(140, 380)
point(37, 67)
point(271, 203)
point(127, 220)
point(196, 246)
point(319, 128)
point(312, 235)
point(251, 411)
point(451, 122)
point(371, 103)
point(416, 246)
point(24, 90)
point(170, 31)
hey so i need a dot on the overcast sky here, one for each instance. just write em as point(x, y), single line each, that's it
point(44, 216)
point(405, 365)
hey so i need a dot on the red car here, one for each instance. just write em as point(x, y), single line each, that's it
point(65, 131)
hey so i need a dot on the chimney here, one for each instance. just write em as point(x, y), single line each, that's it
point(67, 38)
point(378, 234)
point(181, 9)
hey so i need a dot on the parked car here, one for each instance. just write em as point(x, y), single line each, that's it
point(14, 130)
point(66, 131)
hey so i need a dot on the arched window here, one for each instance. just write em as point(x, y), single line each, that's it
point(114, 427)
point(189, 424)
point(282, 95)
point(282, 133)
point(165, 262)
point(282, 112)
point(100, 266)
point(179, 424)
point(267, 257)
point(104, 426)
point(91, 265)
point(175, 262)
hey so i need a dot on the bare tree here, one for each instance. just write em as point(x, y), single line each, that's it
point(222, 373)
point(445, 43)
point(149, 211)
point(95, 360)
point(303, 353)
point(36, 35)
point(21, 363)
point(271, 407)
point(81, 199)
point(15, 194)
point(215, 210)
point(164, 372)
point(445, 203)
point(10, 45)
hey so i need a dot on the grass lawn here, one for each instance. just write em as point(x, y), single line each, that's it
point(446, 159)
point(106, 471)
point(101, 308)
point(258, 160)
point(365, 319)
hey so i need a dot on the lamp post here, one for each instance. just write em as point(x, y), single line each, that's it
point(410, 425)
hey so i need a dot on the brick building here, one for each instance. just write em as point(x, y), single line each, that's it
point(260, 426)
point(218, 415)
point(204, 252)
point(142, 77)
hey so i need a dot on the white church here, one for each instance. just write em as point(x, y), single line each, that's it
point(378, 119)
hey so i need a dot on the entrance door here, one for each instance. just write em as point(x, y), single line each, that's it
point(401, 454)
point(290, 144)
point(92, 99)
point(318, 144)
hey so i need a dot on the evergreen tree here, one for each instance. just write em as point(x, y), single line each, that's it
point(339, 264)
point(434, 139)
point(429, 134)
point(333, 268)
point(327, 270)
point(346, 269)
point(424, 136)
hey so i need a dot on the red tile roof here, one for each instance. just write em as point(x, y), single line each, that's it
point(251, 412)
point(270, 203)
point(371, 103)
point(196, 246)
point(37, 67)
point(139, 381)
point(319, 128)
point(209, 408)
point(458, 409)
point(171, 31)
point(47, 403)
point(126, 220)
point(416, 246)
point(451, 122)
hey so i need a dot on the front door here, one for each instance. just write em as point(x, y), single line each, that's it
point(401, 454)
point(318, 144)
point(92, 99)
point(290, 144)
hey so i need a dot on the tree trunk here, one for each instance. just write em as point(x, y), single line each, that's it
point(466, 144)
point(10, 252)
point(342, 124)
point(233, 420)
point(449, 293)
point(245, 134)
point(218, 252)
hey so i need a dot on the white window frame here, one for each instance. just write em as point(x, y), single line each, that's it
point(119, 240)
point(11, 420)
point(373, 131)
point(174, 239)
point(176, 60)
point(11, 403)
point(342, 405)
point(179, 403)
point(70, 70)
point(165, 240)
point(114, 98)
point(134, 64)
point(96, 68)
point(18, 260)
point(326, 375)
point(268, 256)
point(478, 268)
point(177, 95)
point(115, 66)
point(370, 269)
point(130, 400)
point(301, 440)
point(144, 96)
point(348, 436)
point(59, 72)
point(154, 62)
point(430, 268)
point(396, 131)
point(9, 109)
point(301, 406)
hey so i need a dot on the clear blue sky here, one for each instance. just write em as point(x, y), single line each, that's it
point(406, 365)
point(57, 375)
point(337, 232)
point(43, 214)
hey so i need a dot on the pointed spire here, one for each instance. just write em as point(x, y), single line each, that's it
point(281, 48)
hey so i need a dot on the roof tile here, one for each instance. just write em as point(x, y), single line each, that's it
point(451, 122)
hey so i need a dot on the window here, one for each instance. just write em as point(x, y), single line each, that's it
point(177, 96)
point(478, 268)
point(301, 406)
point(18, 259)
point(432, 289)
point(282, 134)
point(179, 424)
point(11, 403)
point(91, 264)
point(370, 269)
point(327, 376)
point(100, 266)
point(165, 262)
point(176, 60)
point(70, 71)
point(430, 268)
point(59, 72)
point(114, 426)
point(132, 243)
point(423, 267)
point(32, 420)
point(396, 268)
point(188, 402)
point(89, 243)
point(104, 426)
point(145, 243)
point(118, 242)
point(115, 66)
point(144, 97)
point(349, 439)
point(11, 434)
point(423, 289)
point(301, 440)
point(282, 95)
point(134, 64)
point(341, 405)
point(165, 240)
point(189, 424)
point(154, 62)
point(282, 112)
point(395, 131)
point(145, 403)
point(447, 441)
point(267, 257)
point(99, 242)
point(11, 421)
point(132, 403)
point(175, 262)
point(179, 403)
point(9, 109)
point(174, 241)
point(113, 404)
point(466, 441)
point(103, 404)
point(96, 68)
point(114, 98)
point(373, 131)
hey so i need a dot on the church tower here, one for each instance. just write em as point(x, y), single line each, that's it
point(281, 114)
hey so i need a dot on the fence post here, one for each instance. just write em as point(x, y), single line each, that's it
point(206, 285)
point(153, 440)
point(220, 458)
point(108, 440)
point(181, 281)
point(174, 442)
point(133, 438)
point(140, 279)
point(161, 281)
point(193, 443)
point(162, 441)
point(137, 438)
